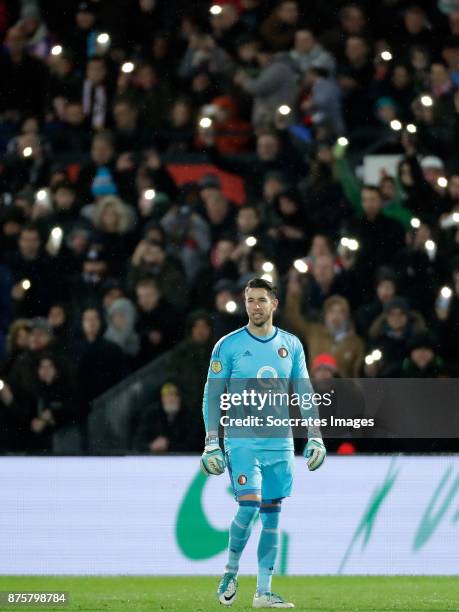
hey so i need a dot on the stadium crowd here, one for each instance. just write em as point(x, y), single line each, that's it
point(109, 258)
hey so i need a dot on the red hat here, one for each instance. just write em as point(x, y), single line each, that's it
point(325, 360)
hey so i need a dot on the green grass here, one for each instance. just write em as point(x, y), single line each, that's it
point(326, 593)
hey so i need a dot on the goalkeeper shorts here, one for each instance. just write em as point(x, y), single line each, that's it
point(268, 473)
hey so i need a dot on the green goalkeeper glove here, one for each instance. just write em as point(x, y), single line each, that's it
point(212, 459)
point(315, 452)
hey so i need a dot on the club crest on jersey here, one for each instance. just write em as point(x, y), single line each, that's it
point(216, 366)
point(282, 352)
point(242, 480)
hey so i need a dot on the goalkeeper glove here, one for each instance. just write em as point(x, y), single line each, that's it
point(212, 459)
point(315, 452)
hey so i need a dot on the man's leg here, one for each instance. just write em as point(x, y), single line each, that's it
point(240, 530)
point(268, 545)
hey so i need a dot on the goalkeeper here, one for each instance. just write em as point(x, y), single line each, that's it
point(261, 469)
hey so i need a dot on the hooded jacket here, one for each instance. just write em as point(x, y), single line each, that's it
point(126, 338)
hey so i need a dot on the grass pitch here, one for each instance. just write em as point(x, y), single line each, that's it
point(196, 594)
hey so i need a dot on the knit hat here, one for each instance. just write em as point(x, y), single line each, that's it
point(396, 303)
point(103, 184)
point(325, 360)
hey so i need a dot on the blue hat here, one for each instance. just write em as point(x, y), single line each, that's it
point(102, 184)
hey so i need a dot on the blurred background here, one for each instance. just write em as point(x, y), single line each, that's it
point(156, 155)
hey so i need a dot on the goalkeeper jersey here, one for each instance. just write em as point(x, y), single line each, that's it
point(242, 355)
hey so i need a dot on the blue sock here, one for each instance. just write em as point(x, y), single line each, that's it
point(267, 547)
point(239, 533)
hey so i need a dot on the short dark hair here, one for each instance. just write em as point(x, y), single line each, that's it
point(261, 283)
point(372, 188)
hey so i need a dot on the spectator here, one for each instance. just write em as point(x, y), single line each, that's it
point(278, 30)
point(335, 335)
point(393, 331)
point(307, 53)
point(96, 94)
point(150, 259)
point(188, 362)
point(121, 319)
point(167, 427)
point(158, 323)
point(385, 291)
point(96, 354)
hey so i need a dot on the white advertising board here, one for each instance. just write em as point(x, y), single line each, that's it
point(160, 515)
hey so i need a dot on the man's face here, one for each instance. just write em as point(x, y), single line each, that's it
point(85, 20)
point(260, 306)
point(96, 72)
point(91, 322)
point(201, 331)
point(101, 151)
point(371, 202)
point(56, 316)
point(247, 220)
point(64, 198)
point(216, 207)
point(414, 21)
point(304, 41)
point(288, 12)
point(385, 291)
point(335, 317)
point(322, 373)
point(267, 147)
point(171, 401)
point(39, 339)
point(47, 371)
point(15, 40)
point(438, 75)
point(356, 49)
point(352, 20)
point(422, 356)
point(74, 114)
point(147, 297)
point(397, 319)
point(324, 269)
point(153, 255)
point(94, 271)
point(29, 244)
point(125, 116)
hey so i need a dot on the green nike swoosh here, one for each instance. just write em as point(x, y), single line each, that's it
point(196, 537)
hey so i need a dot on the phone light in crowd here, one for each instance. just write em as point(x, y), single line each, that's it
point(2, 385)
point(426, 100)
point(103, 38)
point(446, 293)
point(349, 243)
point(215, 9)
point(396, 125)
point(343, 141)
point(431, 249)
point(205, 122)
point(41, 195)
point(415, 223)
point(268, 266)
point(300, 266)
point(377, 355)
point(456, 217)
point(231, 306)
point(284, 110)
point(27, 151)
point(442, 181)
point(26, 284)
point(369, 359)
point(127, 67)
point(386, 55)
point(267, 277)
point(56, 50)
point(251, 241)
point(57, 233)
point(411, 128)
point(149, 194)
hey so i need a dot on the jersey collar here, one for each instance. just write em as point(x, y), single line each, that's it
point(258, 339)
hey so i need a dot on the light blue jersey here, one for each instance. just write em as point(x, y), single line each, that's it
point(241, 355)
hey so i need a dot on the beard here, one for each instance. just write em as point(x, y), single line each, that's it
point(259, 321)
